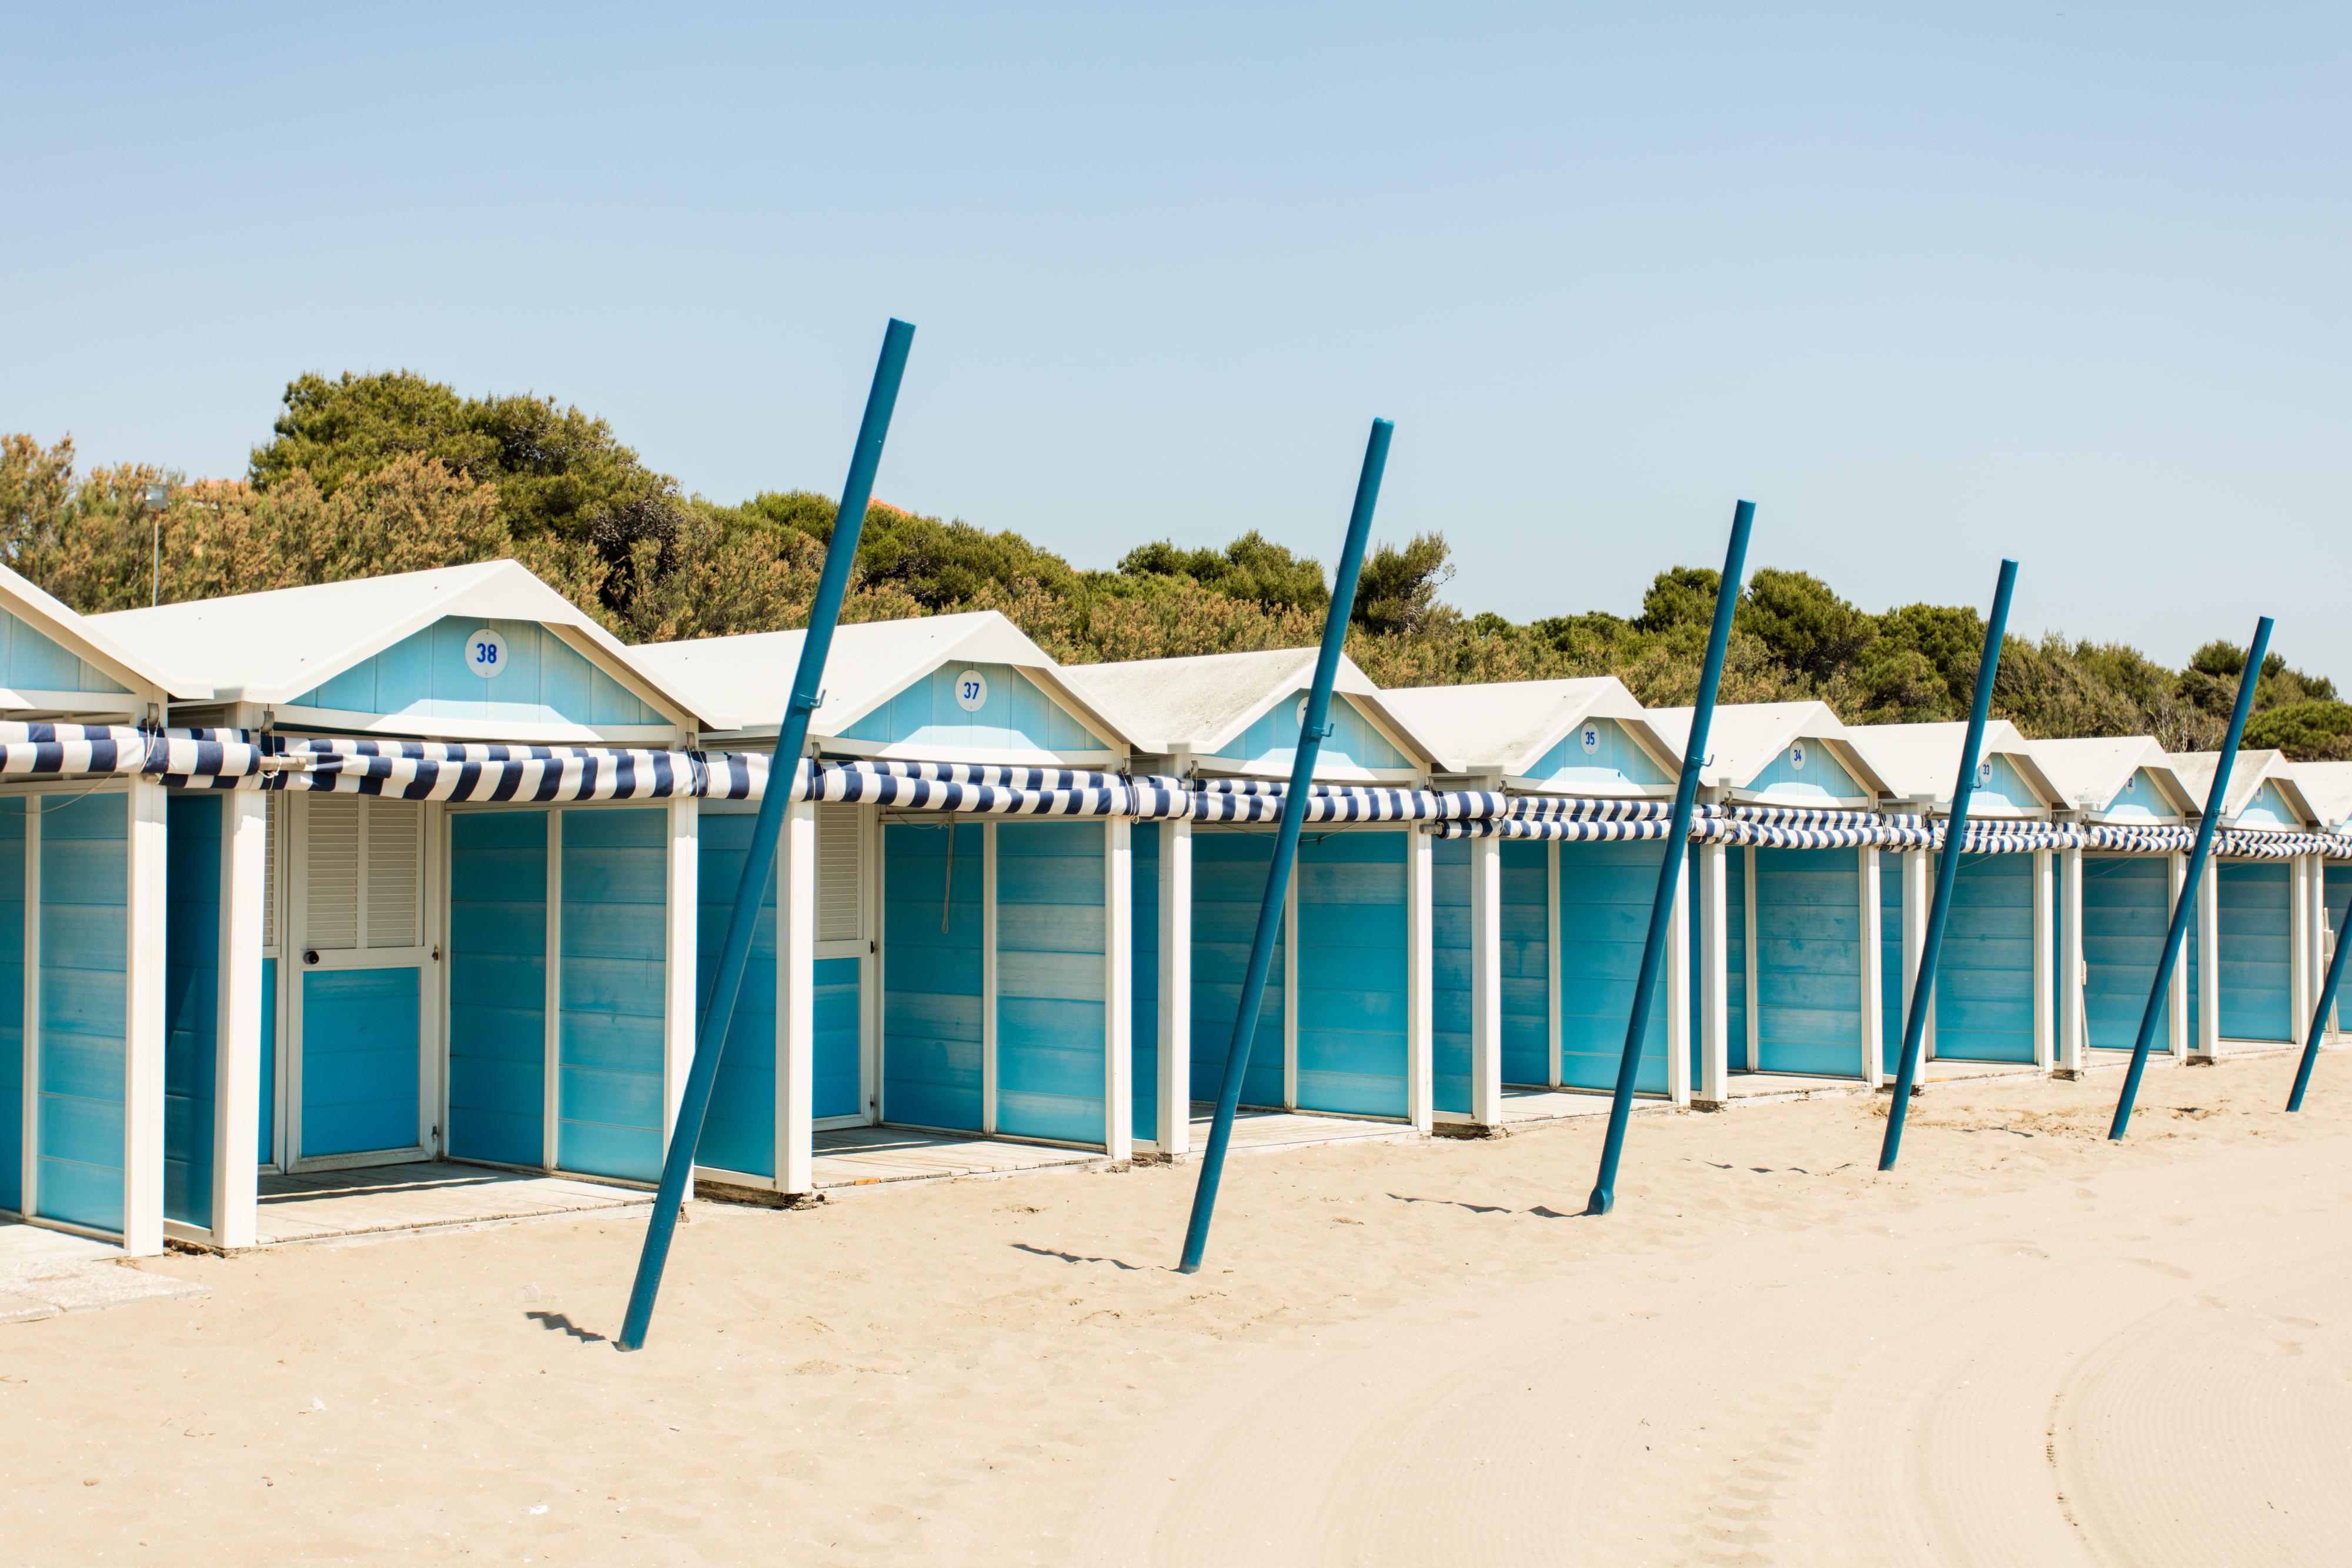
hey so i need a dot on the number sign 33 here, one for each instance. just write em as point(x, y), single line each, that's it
point(486, 653)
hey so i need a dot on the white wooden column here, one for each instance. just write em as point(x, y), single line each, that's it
point(680, 958)
point(1420, 1095)
point(142, 1088)
point(1917, 895)
point(2074, 1028)
point(2045, 1021)
point(987, 973)
point(1678, 992)
point(2176, 877)
point(1714, 1086)
point(1486, 981)
point(1119, 988)
point(2208, 1046)
point(1552, 1030)
point(1174, 1132)
point(796, 999)
point(2299, 989)
point(236, 1059)
point(1873, 982)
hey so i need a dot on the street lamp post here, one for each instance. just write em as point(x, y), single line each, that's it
point(158, 497)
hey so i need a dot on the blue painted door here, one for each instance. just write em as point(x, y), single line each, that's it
point(1526, 962)
point(931, 931)
point(1449, 974)
point(1984, 977)
point(1144, 842)
point(609, 1046)
point(360, 1060)
point(192, 935)
point(739, 1132)
point(498, 987)
point(1890, 959)
point(84, 909)
point(12, 1005)
point(2257, 948)
point(1606, 891)
point(1052, 981)
point(2126, 909)
point(1809, 962)
point(359, 1038)
point(1351, 973)
point(1229, 873)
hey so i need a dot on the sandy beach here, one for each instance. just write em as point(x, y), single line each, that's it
point(2027, 1346)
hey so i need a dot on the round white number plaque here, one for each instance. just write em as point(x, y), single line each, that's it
point(486, 653)
point(970, 690)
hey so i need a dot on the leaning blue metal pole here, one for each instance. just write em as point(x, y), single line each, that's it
point(1311, 733)
point(719, 1008)
point(1948, 867)
point(1670, 871)
point(2319, 1014)
point(2216, 800)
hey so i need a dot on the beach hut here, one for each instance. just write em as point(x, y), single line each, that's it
point(1536, 942)
point(2115, 893)
point(2256, 908)
point(2328, 790)
point(1345, 1024)
point(1788, 901)
point(952, 914)
point(1994, 996)
point(82, 887)
point(461, 911)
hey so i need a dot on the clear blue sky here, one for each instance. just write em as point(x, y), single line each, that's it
point(2066, 281)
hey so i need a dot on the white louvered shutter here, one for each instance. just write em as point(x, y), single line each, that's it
point(269, 859)
point(837, 881)
point(395, 872)
point(330, 902)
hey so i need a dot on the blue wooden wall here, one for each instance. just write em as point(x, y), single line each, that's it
point(12, 1005)
point(1821, 779)
point(191, 934)
point(1526, 962)
point(1890, 959)
point(2006, 788)
point(1614, 762)
point(1229, 873)
point(1351, 973)
point(837, 1022)
point(2139, 799)
point(1984, 979)
point(1017, 716)
point(85, 885)
point(1449, 975)
point(932, 977)
point(739, 1132)
point(1051, 981)
point(609, 1045)
point(2268, 809)
point(30, 661)
point(1143, 1026)
point(266, 1141)
point(2257, 948)
point(1809, 961)
point(2126, 909)
point(1272, 740)
point(426, 677)
point(498, 987)
point(1606, 891)
point(359, 1061)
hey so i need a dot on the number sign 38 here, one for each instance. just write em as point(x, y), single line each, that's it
point(486, 653)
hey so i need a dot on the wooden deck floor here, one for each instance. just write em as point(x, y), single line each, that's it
point(1260, 1132)
point(865, 1156)
point(319, 1205)
point(1522, 1103)
point(24, 1245)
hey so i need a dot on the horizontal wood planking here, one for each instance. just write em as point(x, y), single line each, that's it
point(931, 994)
point(498, 987)
point(1351, 973)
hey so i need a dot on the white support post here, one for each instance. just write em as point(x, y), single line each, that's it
point(1486, 981)
point(1175, 1123)
point(2176, 877)
point(1714, 978)
point(2298, 938)
point(1553, 1029)
point(987, 975)
point(796, 1000)
point(1873, 946)
point(2045, 1021)
point(1678, 992)
point(1753, 1011)
point(552, 1083)
point(2209, 966)
point(678, 958)
point(1915, 896)
point(1119, 988)
point(2072, 1025)
point(236, 1060)
point(142, 1107)
point(1420, 1091)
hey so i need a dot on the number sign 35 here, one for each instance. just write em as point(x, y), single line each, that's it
point(486, 653)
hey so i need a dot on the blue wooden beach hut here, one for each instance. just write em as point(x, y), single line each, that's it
point(1344, 1025)
point(2257, 909)
point(958, 971)
point(2327, 789)
point(1536, 942)
point(1994, 999)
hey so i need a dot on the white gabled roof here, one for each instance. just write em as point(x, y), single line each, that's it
point(870, 662)
point(1201, 703)
point(2327, 789)
point(2253, 767)
point(2089, 773)
point(1507, 726)
point(272, 647)
point(79, 635)
point(1922, 761)
point(1746, 737)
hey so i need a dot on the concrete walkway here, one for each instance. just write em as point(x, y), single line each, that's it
point(45, 1273)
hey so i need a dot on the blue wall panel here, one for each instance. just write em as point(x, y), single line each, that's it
point(85, 884)
point(498, 987)
point(1051, 981)
point(1014, 715)
point(31, 660)
point(1606, 891)
point(359, 1061)
point(836, 1020)
point(191, 934)
point(1527, 963)
point(266, 1141)
point(1144, 1019)
point(1735, 956)
point(12, 1005)
point(1351, 973)
point(2257, 948)
point(1984, 979)
point(426, 677)
point(1809, 961)
point(1890, 957)
point(2126, 909)
point(931, 977)
point(609, 1044)
point(1610, 761)
point(1449, 974)
point(1271, 742)
point(1229, 874)
point(739, 1132)
point(1805, 771)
